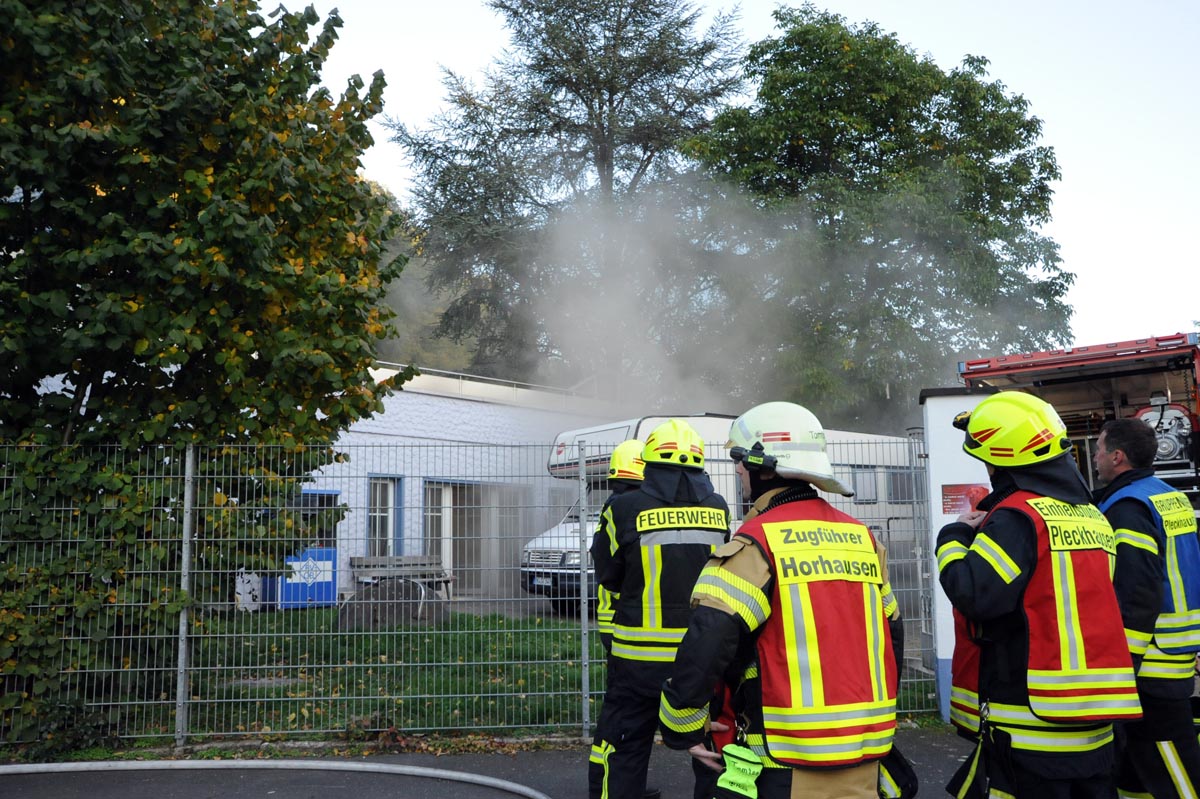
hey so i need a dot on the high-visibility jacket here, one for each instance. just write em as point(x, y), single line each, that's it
point(964, 679)
point(660, 548)
point(1177, 630)
point(827, 670)
point(1079, 665)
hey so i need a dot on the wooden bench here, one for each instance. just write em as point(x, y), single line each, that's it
point(423, 571)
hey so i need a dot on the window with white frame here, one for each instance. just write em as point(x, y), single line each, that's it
point(863, 483)
point(382, 515)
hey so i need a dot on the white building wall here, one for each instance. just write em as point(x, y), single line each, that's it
point(453, 431)
point(955, 481)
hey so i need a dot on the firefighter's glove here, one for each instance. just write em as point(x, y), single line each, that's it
point(742, 767)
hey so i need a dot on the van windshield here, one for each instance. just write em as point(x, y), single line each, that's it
point(596, 499)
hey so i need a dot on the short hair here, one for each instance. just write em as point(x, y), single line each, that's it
point(1133, 437)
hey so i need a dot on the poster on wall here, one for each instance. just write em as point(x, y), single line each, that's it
point(958, 498)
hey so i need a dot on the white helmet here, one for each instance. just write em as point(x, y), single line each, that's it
point(785, 437)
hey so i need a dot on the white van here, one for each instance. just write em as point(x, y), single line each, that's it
point(550, 563)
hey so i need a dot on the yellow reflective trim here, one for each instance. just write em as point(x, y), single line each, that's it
point(600, 752)
point(830, 748)
point(1138, 540)
point(646, 653)
point(950, 552)
point(1174, 578)
point(996, 557)
point(1060, 740)
point(1137, 641)
point(743, 597)
point(600, 756)
point(681, 720)
point(890, 603)
point(758, 745)
point(876, 641)
point(804, 667)
point(965, 790)
point(1167, 670)
point(652, 592)
point(809, 718)
point(1070, 633)
point(1175, 768)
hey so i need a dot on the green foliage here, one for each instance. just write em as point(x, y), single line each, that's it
point(186, 255)
point(905, 205)
point(587, 107)
point(184, 236)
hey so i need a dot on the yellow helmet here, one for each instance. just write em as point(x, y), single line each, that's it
point(626, 462)
point(1013, 428)
point(788, 439)
point(674, 442)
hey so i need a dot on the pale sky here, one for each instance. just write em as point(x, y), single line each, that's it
point(1115, 85)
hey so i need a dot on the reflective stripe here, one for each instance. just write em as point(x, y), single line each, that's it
point(636, 643)
point(835, 747)
point(1178, 630)
point(804, 718)
point(1135, 539)
point(949, 552)
point(659, 654)
point(1090, 678)
point(743, 597)
point(1159, 665)
point(1175, 768)
point(681, 720)
point(888, 787)
point(964, 790)
point(1069, 633)
point(660, 538)
point(599, 756)
point(997, 558)
point(652, 590)
point(1137, 641)
point(1059, 740)
point(1032, 733)
point(805, 664)
point(662, 635)
point(873, 611)
point(890, 604)
point(758, 746)
point(599, 752)
point(964, 708)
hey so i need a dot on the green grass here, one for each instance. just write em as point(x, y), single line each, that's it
point(291, 673)
point(295, 675)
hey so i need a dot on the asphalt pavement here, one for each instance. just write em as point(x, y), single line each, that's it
point(546, 773)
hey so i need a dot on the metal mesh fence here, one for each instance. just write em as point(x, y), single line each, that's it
point(410, 587)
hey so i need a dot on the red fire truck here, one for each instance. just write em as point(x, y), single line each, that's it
point(1152, 379)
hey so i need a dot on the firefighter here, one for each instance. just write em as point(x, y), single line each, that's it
point(793, 612)
point(664, 533)
point(1158, 587)
point(625, 469)
point(1031, 573)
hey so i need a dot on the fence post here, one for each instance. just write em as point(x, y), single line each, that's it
point(185, 575)
point(585, 597)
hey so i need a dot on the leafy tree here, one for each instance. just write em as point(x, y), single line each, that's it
point(586, 108)
point(905, 204)
point(186, 255)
